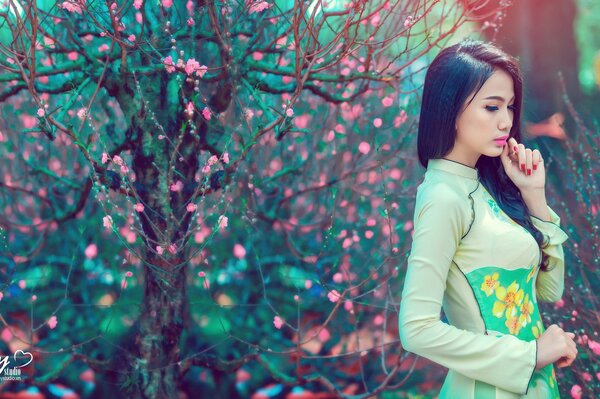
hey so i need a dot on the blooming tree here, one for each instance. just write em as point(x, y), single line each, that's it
point(219, 191)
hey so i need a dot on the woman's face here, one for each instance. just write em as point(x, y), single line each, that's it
point(483, 126)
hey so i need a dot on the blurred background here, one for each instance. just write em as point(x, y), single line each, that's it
point(215, 198)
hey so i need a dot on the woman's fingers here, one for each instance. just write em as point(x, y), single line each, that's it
point(527, 159)
point(536, 158)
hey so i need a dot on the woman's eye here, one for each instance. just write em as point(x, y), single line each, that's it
point(512, 107)
point(491, 108)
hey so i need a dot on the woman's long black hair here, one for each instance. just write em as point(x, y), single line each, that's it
point(453, 78)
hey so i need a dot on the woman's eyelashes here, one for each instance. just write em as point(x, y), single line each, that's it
point(493, 108)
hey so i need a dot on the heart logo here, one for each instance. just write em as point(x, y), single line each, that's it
point(23, 354)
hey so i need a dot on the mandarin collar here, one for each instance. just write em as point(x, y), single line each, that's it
point(453, 167)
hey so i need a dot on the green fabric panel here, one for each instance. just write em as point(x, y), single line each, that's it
point(484, 391)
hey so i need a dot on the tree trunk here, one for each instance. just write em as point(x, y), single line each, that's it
point(161, 325)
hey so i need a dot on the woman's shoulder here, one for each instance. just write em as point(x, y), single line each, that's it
point(434, 190)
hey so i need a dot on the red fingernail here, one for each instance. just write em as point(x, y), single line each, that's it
point(528, 172)
point(534, 167)
point(523, 167)
point(515, 148)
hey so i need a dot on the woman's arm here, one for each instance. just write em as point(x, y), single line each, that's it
point(506, 361)
point(550, 285)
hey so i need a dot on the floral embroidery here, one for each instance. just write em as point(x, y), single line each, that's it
point(526, 311)
point(537, 329)
point(513, 325)
point(498, 212)
point(490, 283)
point(531, 272)
point(509, 299)
point(512, 309)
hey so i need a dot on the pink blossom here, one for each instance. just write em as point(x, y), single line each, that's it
point(72, 6)
point(189, 109)
point(167, 3)
point(52, 322)
point(387, 101)
point(190, 22)
point(139, 207)
point(223, 221)
point(41, 112)
point(400, 119)
point(159, 249)
point(191, 66)
point(258, 6)
point(377, 122)
point(226, 157)
point(107, 221)
point(206, 113)
point(212, 160)
point(191, 207)
point(91, 251)
point(131, 38)
point(307, 284)
point(124, 169)
point(82, 113)
point(324, 335)
point(364, 147)
point(1, 295)
point(559, 304)
point(189, 6)
point(72, 55)
point(278, 322)
point(103, 47)
point(172, 248)
point(289, 112)
point(576, 392)
point(176, 187)
point(168, 62)
point(333, 296)
point(137, 4)
point(348, 305)
point(118, 160)
point(201, 274)
point(239, 251)
point(128, 274)
point(594, 346)
point(105, 158)
point(206, 169)
point(202, 70)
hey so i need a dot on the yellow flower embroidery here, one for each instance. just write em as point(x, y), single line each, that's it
point(526, 311)
point(509, 298)
point(537, 330)
point(490, 283)
point(513, 325)
point(531, 273)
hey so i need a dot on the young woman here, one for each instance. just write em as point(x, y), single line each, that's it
point(486, 246)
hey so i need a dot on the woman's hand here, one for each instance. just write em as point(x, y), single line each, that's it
point(525, 167)
point(556, 346)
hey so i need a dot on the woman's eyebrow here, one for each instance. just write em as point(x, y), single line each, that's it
point(496, 98)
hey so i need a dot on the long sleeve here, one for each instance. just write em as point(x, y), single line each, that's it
point(441, 218)
point(550, 285)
